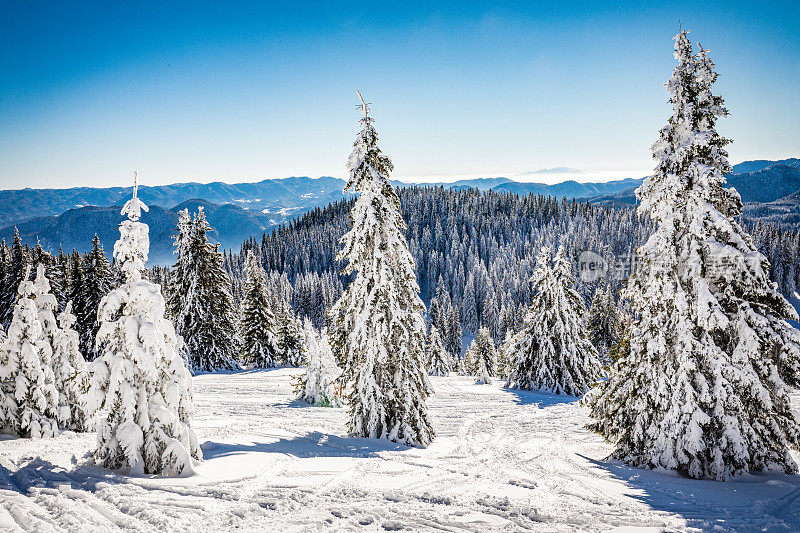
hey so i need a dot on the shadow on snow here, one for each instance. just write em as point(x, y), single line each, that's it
point(540, 398)
point(39, 473)
point(243, 371)
point(754, 502)
point(314, 444)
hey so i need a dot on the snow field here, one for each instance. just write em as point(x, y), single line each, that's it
point(502, 461)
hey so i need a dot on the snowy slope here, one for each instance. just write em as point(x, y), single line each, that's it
point(502, 461)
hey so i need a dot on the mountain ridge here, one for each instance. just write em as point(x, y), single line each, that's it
point(245, 211)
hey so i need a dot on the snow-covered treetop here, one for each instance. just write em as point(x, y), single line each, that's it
point(134, 207)
point(44, 294)
point(367, 166)
point(133, 246)
point(27, 287)
point(66, 319)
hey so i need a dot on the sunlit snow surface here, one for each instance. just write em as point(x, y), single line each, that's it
point(502, 461)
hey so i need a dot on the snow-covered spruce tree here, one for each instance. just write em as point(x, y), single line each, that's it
point(52, 271)
point(551, 352)
point(259, 342)
point(97, 281)
point(289, 337)
point(28, 396)
point(623, 346)
point(504, 361)
point(704, 387)
point(318, 384)
point(378, 329)
point(181, 278)
point(15, 269)
point(604, 323)
point(200, 298)
point(454, 333)
point(46, 307)
point(71, 376)
point(146, 387)
point(438, 358)
point(481, 357)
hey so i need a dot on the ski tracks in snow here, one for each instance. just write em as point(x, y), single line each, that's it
point(502, 461)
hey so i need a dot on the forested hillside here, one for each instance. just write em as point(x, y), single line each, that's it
point(481, 247)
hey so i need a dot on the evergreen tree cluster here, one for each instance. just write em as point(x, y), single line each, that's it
point(43, 380)
point(199, 297)
point(82, 279)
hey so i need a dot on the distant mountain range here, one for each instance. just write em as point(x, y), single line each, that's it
point(756, 181)
point(279, 198)
point(69, 217)
point(74, 229)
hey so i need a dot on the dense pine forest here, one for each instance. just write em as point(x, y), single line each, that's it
point(481, 248)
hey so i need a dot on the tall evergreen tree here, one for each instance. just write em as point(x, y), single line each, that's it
point(259, 340)
point(60, 273)
point(140, 376)
point(201, 303)
point(454, 332)
point(704, 389)
point(181, 277)
point(504, 362)
point(551, 351)
point(96, 283)
point(378, 325)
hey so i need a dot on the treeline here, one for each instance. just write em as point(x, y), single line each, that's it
point(477, 248)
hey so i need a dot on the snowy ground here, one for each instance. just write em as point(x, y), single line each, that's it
point(502, 461)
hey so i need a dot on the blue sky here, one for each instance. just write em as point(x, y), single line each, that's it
point(195, 91)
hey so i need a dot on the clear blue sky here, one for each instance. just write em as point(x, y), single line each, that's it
point(195, 91)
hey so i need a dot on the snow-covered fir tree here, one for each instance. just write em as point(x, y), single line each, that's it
point(258, 324)
point(28, 396)
point(318, 385)
point(378, 329)
point(141, 378)
point(14, 271)
point(74, 281)
point(61, 363)
point(704, 389)
point(446, 318)
point(551, 352)
point(52, 270)
point(200, 299)
point(504, 360)
point(71, 376)
point(438, 358)
point(623, 346)
point(181, 277)
point(46, 307)
point(97, 281)
point(289, 337)
point(481, 357)
point(604, 323)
